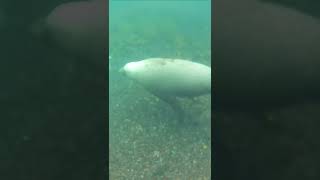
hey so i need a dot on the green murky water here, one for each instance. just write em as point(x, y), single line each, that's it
point(145, 140)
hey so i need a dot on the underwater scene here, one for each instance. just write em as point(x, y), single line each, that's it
point(147, 139)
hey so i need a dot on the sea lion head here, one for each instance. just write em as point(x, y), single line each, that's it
point(131, 68)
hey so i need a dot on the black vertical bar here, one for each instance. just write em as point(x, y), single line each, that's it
point(54, 103)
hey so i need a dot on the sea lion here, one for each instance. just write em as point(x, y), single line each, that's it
point(79, 28)
point(170, 78)
point(264, 54)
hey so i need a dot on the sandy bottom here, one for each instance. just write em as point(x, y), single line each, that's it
point(146, 141)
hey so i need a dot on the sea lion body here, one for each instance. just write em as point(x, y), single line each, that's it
point(80, 28)
point(265, 54)
point(171, 77)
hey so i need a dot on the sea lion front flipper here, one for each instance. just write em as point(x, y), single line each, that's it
point(173, 102)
